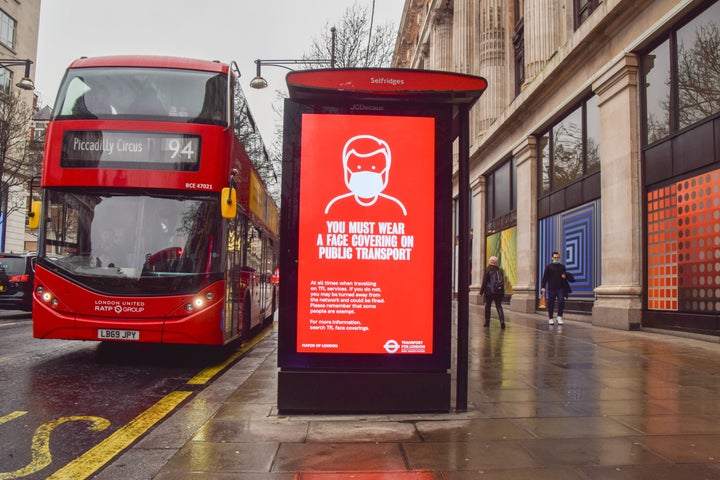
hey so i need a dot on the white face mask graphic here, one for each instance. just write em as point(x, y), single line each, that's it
point(361, 177)
point(366, 170)
point(366, 184)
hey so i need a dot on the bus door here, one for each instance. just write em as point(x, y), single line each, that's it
point(266, 286)
point(233, 300)
point(251, 274)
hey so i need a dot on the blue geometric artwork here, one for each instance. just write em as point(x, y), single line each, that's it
point(575, 234)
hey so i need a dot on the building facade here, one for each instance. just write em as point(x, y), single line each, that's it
point(19, 25)
point(598, 137)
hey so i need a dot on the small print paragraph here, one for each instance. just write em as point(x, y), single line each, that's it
point(329, 297)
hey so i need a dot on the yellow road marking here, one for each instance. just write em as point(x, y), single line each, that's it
point(95, 458)
point(207, 374)
point(41, 456)
point(11, 416)
point(92, 460)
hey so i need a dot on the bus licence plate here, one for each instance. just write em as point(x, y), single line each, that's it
point(110, 334)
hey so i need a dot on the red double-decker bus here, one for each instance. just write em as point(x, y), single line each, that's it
point(154, 224)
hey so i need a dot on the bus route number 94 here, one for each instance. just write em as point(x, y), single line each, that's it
point(179, 149)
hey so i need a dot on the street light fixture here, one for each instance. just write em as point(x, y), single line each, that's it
point(259, 82)
point(26, 82)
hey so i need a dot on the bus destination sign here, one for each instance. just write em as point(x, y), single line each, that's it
point(127, 149)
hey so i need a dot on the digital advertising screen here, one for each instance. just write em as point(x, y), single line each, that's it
point(366, 234)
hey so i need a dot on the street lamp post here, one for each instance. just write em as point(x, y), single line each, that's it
point(259, 82)
point(26, 82)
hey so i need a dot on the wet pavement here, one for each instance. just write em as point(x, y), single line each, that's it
point(6, 314)
point(571, 402)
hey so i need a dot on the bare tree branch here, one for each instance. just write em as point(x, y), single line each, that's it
point(351, 43)
point(352, 34)
point(20, 158)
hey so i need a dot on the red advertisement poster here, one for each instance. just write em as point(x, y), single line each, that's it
point(366, 234)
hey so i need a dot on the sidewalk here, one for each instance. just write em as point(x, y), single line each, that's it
point(564, 403)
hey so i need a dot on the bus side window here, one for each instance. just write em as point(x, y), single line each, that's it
point(254, 259)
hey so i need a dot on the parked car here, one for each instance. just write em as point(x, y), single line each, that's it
point(17, 277)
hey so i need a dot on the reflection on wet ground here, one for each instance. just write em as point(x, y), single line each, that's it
point(545, 402)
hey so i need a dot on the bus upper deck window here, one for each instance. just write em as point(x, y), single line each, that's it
point(75, 90)
point(213, 108)
point(136, 93)
point(95, 102)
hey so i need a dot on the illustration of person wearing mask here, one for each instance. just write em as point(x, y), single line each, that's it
point(366, 165)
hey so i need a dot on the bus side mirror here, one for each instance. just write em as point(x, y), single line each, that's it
point(228, 202)
point(34, 215)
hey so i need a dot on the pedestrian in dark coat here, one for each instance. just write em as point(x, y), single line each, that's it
point(493, 289)
point(555, 278)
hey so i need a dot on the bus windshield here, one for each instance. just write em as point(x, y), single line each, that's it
point(143, 93)
point(132, 244)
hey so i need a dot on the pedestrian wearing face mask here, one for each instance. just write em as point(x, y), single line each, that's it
point(555, 279)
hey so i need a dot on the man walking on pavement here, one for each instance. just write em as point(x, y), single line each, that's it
point(554, 277)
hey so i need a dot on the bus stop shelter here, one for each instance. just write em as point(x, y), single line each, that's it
point(365, 322)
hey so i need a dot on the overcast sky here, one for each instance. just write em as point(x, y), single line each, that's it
point(225, 30)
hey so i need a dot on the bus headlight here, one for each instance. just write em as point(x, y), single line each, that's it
point(47, 296)
point(199, 302)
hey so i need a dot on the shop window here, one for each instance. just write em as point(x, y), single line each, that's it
point(683, 248)
point(592, 136)
point(680, 76)
point(656, 67)
point(698, 67)
point(500, 200)
point(567, 158)
point(575, 234)
point(570, 149)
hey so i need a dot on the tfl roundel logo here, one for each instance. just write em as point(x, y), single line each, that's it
point(391, 346)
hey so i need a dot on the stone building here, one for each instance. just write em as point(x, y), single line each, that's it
point(19, 24)
point(598, 137)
